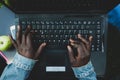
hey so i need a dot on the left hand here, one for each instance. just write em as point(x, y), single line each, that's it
point(24, 44)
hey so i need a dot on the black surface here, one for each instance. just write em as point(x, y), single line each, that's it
point(32, 6)
point(113, 58)
point(2, 64)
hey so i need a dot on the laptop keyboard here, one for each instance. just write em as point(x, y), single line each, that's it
point(56, 32)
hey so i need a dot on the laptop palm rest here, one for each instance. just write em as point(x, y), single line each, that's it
point(55, 61)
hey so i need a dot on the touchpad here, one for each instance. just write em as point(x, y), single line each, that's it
point(55, 62)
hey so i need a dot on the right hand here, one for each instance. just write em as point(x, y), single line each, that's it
point(83, 51)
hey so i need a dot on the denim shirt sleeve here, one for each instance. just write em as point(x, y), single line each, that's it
point(85, 72)
point(114, 16)
point(19, 69)
point(21, 66)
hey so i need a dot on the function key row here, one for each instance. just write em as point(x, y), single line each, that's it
point(84, 22)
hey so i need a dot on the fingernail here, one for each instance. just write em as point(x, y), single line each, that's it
point(71, 40)
point(79, 35)
point(29, 26)
point(91, 36)
point(44, 44)
point(18, 27)
point(68, 47)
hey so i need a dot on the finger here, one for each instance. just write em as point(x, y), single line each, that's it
point(27, 30)
point(70, 54)
point(82, 39)
point(23, 39)
point(82, 50)
point(13, 41)
point(29, 40)
point(74, 43)
point(90, 42)
point(90, 39)
point(41, 47)
point(18, 35)
point(71, 40)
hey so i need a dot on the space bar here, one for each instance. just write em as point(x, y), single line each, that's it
point(56, 49)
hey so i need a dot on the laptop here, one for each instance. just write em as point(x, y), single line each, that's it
point(54, 22)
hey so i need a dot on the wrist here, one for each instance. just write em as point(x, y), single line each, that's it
point(23, 62)
point(83, 71)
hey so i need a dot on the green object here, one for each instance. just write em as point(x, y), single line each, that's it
point(7, 2)
point(5, 43)
point(0, 5)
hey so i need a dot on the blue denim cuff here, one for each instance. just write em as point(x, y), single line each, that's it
point(83, 71)
point(23, 62)
point(114, 16)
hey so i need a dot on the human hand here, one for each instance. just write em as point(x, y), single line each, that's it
point(24, 44)
point(83, 51)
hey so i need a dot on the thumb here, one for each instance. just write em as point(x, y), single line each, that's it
point(41, 47)
point(70, 54)
point(13, 41)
